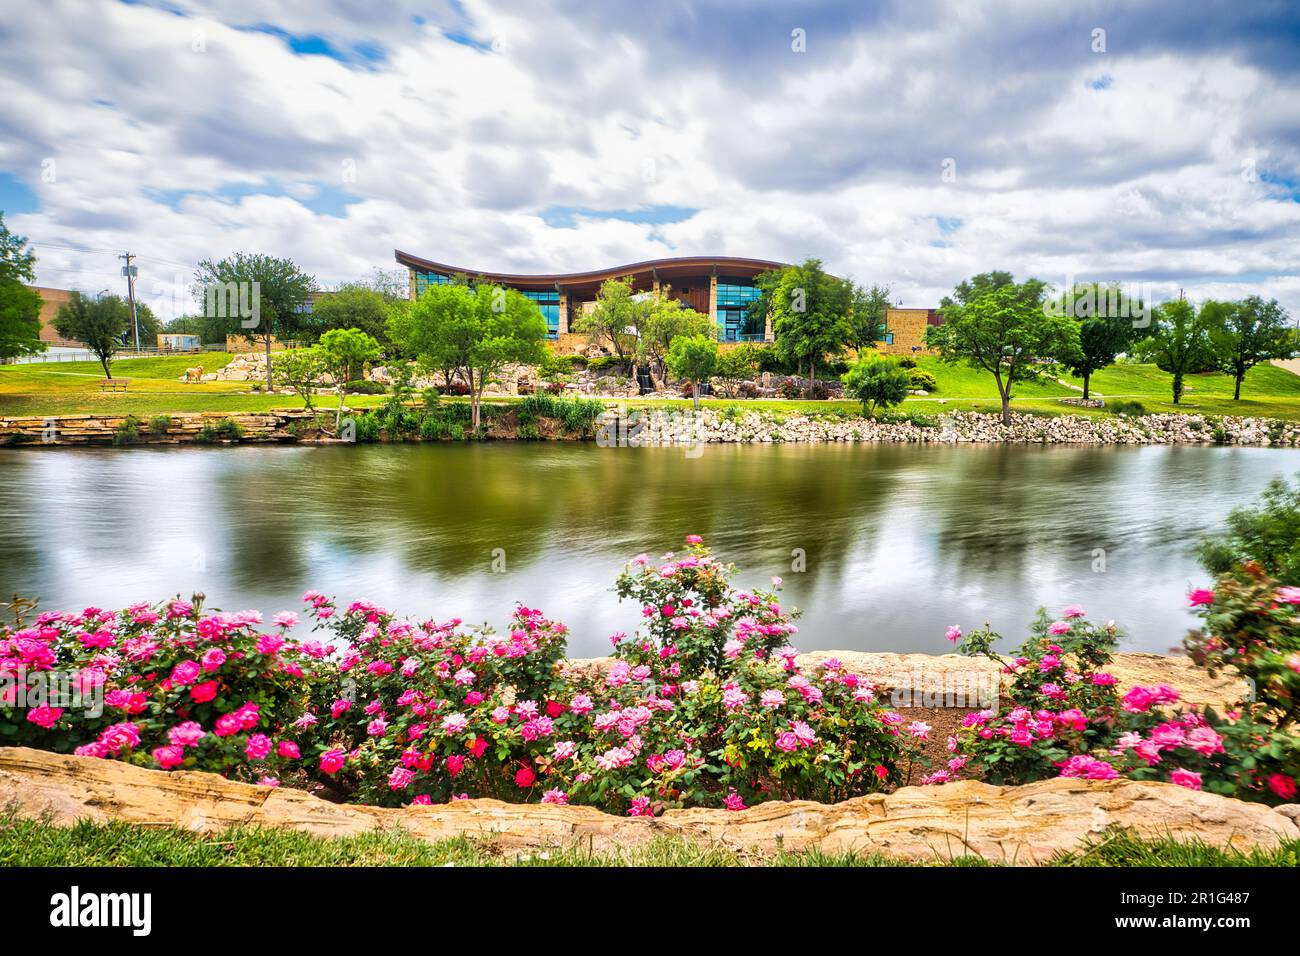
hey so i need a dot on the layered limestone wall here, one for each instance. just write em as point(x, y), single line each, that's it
point(1021, 825)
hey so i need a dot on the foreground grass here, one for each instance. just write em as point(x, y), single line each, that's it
point(36, 843)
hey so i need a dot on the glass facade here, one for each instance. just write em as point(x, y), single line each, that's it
point(549, 304)
point(735, 324)
point(425, 279)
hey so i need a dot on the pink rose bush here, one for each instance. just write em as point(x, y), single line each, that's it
point(168, 687)
point(703, 706)
point(438, 711)
point(1065, 718)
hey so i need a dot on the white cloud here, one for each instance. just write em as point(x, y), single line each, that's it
point(455, 150)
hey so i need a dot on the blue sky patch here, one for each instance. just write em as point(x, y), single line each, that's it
point(565, 217)
point(15, 196)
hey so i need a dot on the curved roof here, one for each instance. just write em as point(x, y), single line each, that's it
point(667, 268)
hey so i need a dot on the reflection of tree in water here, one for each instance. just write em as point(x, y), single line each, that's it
point(444, 508)
point(1000, 508)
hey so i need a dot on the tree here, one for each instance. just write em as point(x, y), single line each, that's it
point(20, 307)
point(993, 323)
point(353, 306)
point(1244, 334)
point(868, 309)
point(1178, 343)
point(810, 314)
point(737, 364)
point(473, 331)
point(693, 357)
point(100, 323)
point(877, 382)
point(258, 296)
point(616, 318)
point(302, 371)
point(661, 322)
point(340, 351)
point(1268, 534)
point(1103, 329)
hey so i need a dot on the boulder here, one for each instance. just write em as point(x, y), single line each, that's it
point(1023, 825)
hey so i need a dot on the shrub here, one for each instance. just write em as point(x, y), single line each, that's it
point(127, 432)
point(159, 424)
point(362, 386)
point(1267, 534)
point(1066, 719)
point(180, 688)
point(366, 428)
point(907, 362)
point(576, 415)
point(704, 706)
point(607, 364)
point(920, 378)
point(1132, 409)
point(222, 430)
point(877, 383)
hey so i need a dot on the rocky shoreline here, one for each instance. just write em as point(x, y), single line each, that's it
point(626, 424)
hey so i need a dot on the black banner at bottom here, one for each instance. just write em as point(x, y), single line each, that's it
point(297, 905)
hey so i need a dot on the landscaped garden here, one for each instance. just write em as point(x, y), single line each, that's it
point(704, 705)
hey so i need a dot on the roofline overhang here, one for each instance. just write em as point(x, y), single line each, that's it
point(710, 264)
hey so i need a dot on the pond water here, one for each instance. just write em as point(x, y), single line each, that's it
point(897, 541)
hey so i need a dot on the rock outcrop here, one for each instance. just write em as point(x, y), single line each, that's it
point(1023, 825)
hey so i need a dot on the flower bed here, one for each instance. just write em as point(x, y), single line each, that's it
point(704, 706)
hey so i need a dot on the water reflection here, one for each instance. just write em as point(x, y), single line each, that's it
point(899, 541)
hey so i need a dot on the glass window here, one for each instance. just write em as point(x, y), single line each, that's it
point(425, 279)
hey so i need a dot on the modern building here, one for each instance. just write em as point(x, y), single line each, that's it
point(721, 287)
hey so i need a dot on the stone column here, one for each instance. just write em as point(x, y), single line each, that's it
point(713, 299)
point(564, 313)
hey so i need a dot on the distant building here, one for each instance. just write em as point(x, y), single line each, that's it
point(51, 299)
point(721, 287)
point(179, 341)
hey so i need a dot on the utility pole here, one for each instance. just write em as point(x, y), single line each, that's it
point(129, 271)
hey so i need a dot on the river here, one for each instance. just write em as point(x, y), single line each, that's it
point(883, 546)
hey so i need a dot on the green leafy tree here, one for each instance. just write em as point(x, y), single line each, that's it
point(354, 306)
point(20, 307)
point(694, 358)
point(615, 320)
point(475, 331)
point(810, 315)
point(1267, 534)
point(868, 311)
point(301, 370)
point(1179, 342)
point(102, 324)
point(1103, 329)
point(877, 382)
point(340, 351)
point(993, 323)
point(1244, 334)
point(278, 306)
point(662, 321)
point(736, 365)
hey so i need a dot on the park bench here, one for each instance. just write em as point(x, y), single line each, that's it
point(113, 384)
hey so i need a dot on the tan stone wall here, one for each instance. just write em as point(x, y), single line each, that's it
point(908, 326)
point(569, 343)
point(51, 299)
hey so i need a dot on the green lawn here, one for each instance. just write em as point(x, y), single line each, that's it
point(72, 388)
point(34, 843)
point(66, 388)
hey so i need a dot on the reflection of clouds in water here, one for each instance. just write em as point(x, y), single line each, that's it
point(901, 541)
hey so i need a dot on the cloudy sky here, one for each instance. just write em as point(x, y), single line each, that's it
point(910, 143)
